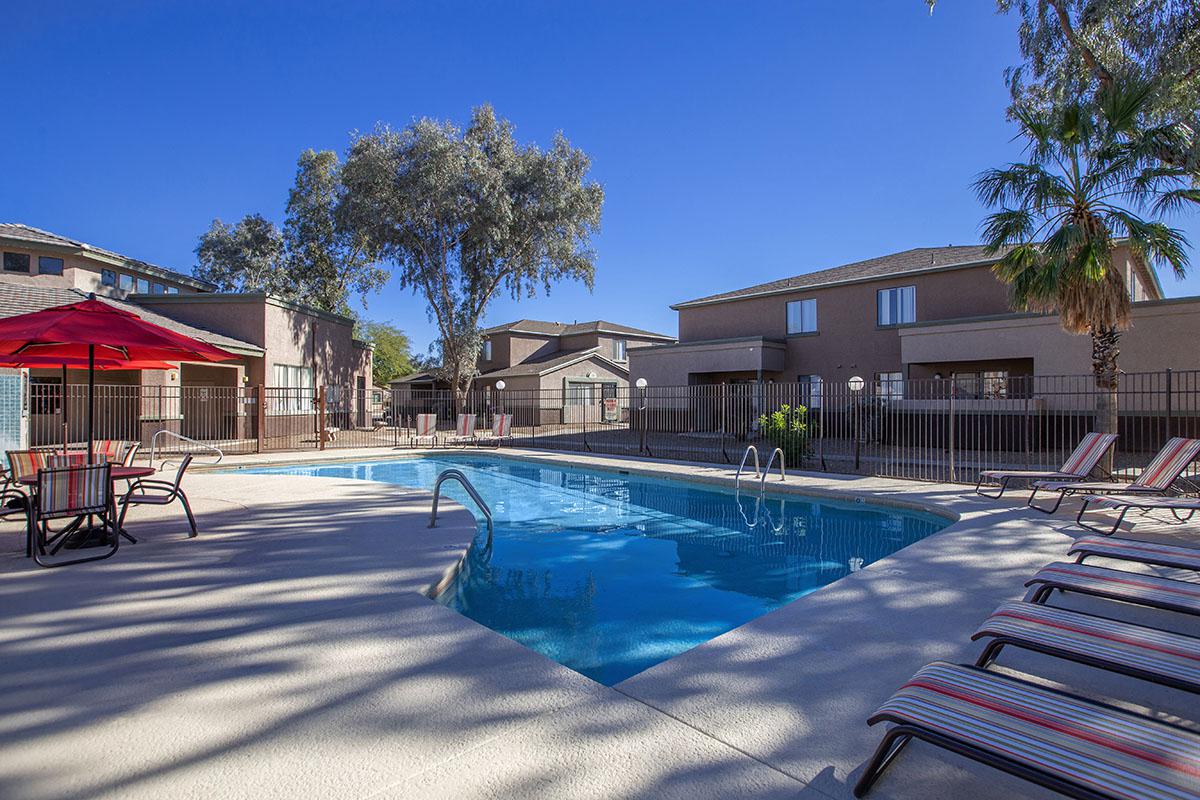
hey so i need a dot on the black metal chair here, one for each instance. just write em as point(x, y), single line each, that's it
point(76, 492)
point(161, 493)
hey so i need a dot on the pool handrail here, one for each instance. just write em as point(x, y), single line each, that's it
point(182, 438)
point(778, 451)
point(457, 475)
point(749, 449)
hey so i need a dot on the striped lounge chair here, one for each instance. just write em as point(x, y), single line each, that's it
point(1181, 507)
point(1071, 745)
point(426, 431)
point(464, 429)
point(1113, 584)
point(1077, 467)
point(74, 492)
point(1156, 478)
point(1162, 657)
point(1162, 555)
point(501, 429)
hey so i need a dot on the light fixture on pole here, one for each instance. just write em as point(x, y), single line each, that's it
point(641, 384)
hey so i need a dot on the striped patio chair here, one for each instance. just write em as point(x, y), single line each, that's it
point(464, 429)
point(426, 430)
point(501, 430)
point(1162, 555)
point(1156, 478)
point(1077, 467)
point(1162, 657)
point(1114, 584)
point(1181, 507)
point(76, 492)
point(60, 461)
point(25, 463)
point(1071, 745)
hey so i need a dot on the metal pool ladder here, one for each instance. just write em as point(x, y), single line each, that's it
point(457, 475)
point(749, 449)
point(778, 451)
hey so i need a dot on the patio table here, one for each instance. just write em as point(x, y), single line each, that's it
point(82, 536)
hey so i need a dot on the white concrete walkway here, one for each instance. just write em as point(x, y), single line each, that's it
point(290, 652)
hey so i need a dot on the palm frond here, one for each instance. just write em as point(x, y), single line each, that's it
point(1006, 227)
point(1175, 201)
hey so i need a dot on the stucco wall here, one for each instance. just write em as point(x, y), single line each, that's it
point(79, 272)
point(1164, 334)
point(848, 341)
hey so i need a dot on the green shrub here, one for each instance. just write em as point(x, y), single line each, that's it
point(787, 429)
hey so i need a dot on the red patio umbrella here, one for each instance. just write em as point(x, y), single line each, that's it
point(91, 332)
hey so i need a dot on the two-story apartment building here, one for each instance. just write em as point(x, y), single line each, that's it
point(565, 369)
point(926, 312)
point(280, 344)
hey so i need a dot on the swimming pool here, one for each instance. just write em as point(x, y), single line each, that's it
point(611, 573)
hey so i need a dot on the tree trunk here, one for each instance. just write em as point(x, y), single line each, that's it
point(1104, 368)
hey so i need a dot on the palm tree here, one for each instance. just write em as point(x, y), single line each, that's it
point(1090, 182)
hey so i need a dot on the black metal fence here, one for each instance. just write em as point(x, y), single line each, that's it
point(934, 429)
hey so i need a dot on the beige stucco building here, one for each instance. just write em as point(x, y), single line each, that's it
point(552, 371)
point(279, 344)
point(928, 312)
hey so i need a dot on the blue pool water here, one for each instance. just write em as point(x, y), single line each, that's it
point(610, 573)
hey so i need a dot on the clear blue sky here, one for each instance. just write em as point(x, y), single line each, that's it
point(736, 142)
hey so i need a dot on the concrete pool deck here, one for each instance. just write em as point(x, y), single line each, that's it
point(290, 651)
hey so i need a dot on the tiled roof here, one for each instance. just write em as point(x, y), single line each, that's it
point(35, 236)
point(551, 363)
point(563, 329)
point(17, 298)
point(920, 259)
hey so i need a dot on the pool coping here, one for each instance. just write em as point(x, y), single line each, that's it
point(620, 464)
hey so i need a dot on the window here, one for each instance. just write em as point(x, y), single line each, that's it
point(16, 262)
point(108, 277)
point(620, 349)
point(48, 265)
point(487, 350)
point(582, 394)
point(810, 390)
point(802, 316)
point(292, 390)
point(125, 282)
point(995, 385)
point(172, 290)
point(143, 286)
point(889, 385)
point(157, 288)
point(897, 306)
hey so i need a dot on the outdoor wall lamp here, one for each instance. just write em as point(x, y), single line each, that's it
point(172, 375)
point(500, 385)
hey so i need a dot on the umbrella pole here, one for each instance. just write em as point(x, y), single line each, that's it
point(91, 401)
point(66, 429)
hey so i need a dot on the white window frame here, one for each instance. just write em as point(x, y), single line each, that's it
point(804, 320)
point(487, 350)
point(294, 378)
point(620, 350)
point(898, 308)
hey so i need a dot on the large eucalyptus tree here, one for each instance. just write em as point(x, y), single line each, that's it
point(463, 215)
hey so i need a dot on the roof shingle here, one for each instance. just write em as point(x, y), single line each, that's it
point(563, 329)
point(17, 298)
point(920, 259)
